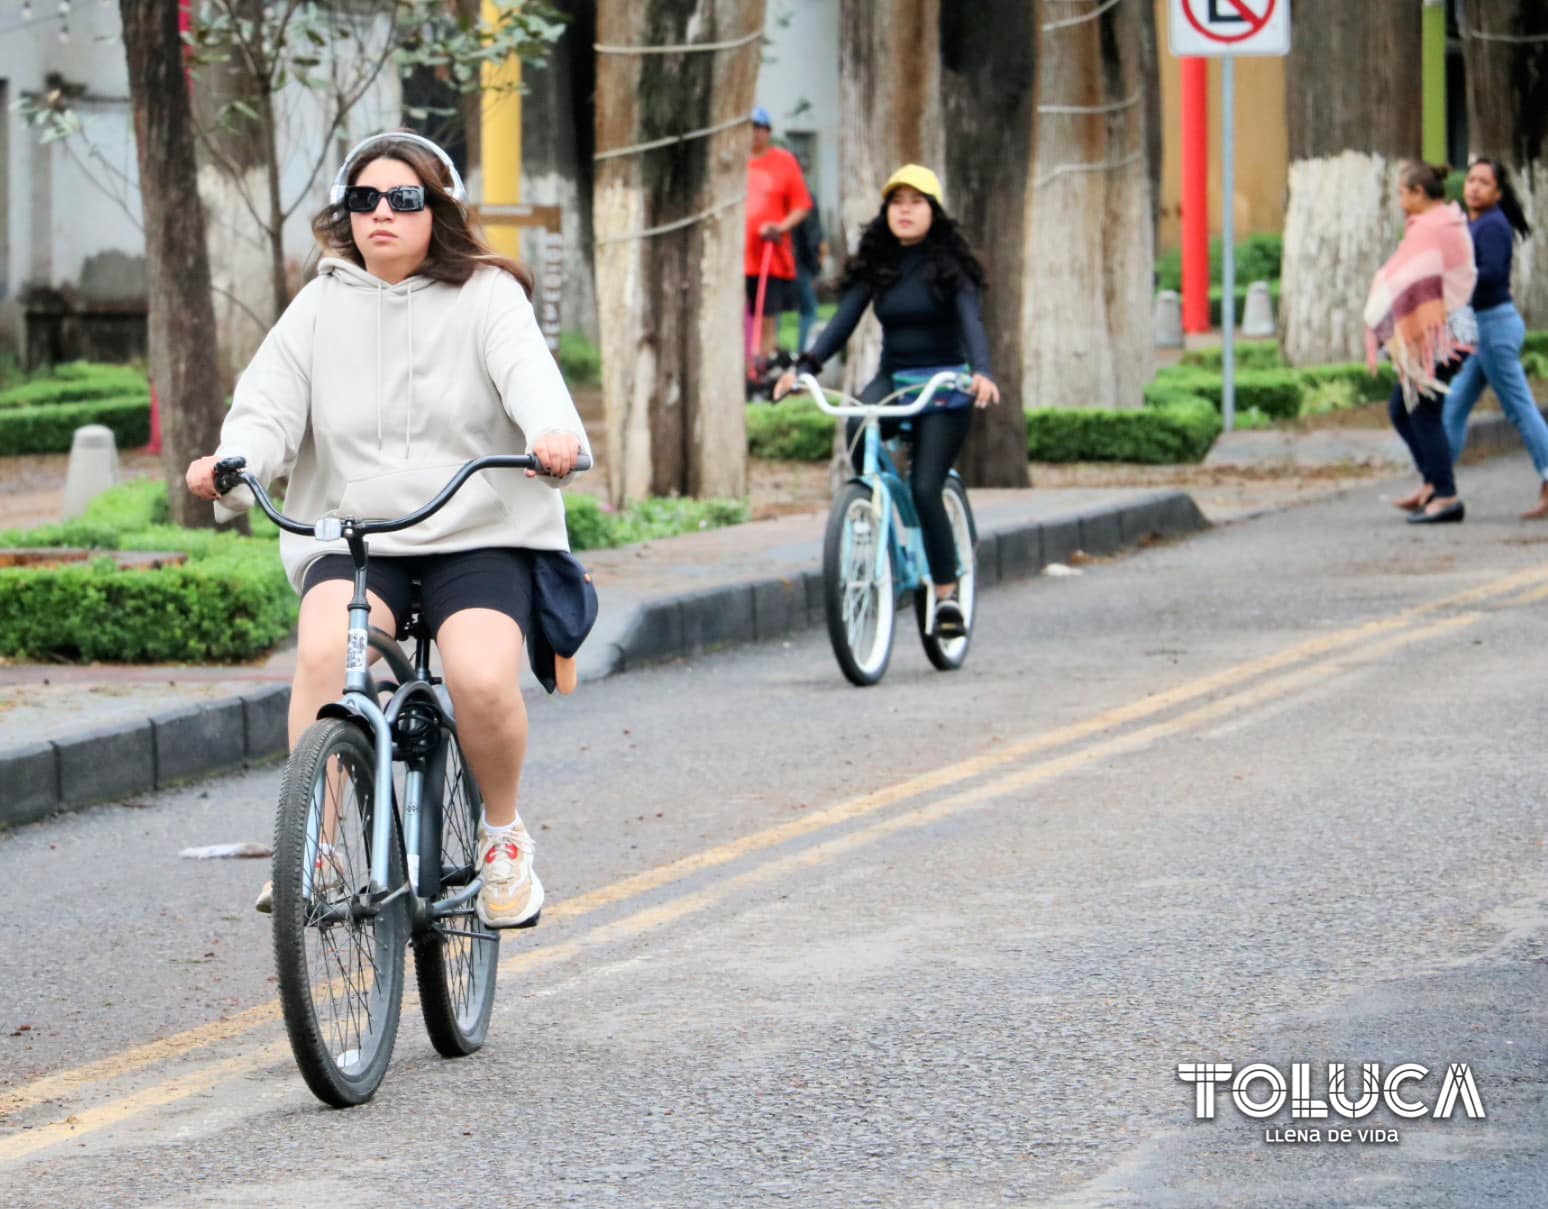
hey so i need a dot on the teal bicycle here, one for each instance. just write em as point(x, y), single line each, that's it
point(873, 553)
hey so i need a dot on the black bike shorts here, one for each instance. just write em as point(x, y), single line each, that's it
point(497, 578)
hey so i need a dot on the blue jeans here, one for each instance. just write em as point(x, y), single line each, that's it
point(806, 306)
point(1498, 363)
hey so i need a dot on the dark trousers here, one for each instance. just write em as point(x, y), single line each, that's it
point(1424, 432)
point(936, 439)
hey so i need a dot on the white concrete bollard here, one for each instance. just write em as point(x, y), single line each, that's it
point(1258, 313)
point(1168, 320)
point(93, 468)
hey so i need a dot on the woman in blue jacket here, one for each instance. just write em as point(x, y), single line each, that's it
point(1496, 219)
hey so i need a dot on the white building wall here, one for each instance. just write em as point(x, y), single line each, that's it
point(799, 85)
point(71, 209)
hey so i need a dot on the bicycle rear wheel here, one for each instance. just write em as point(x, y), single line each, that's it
point(456, 958)
point(858, 593)
point(339, 961)
point(949, 654)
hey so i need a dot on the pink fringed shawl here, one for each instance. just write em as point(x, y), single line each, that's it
point(1418, 298)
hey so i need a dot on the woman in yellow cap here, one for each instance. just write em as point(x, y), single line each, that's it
point(916, 269)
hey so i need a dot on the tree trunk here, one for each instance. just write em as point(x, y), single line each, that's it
point(989, 96)
point(1091, 264)
point(1347, 136)
point(1507, 120)
point(556, 143)
point(177, 264)
point(890, 115)
point(670, 304)
point(233, 176)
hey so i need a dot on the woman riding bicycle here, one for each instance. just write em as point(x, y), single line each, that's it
point(916, 269)
point(414, 350)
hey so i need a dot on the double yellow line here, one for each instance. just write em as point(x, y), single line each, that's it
point(1277, 676)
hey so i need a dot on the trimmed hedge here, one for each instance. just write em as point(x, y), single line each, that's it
point(1274, 392)
point(78, 382)
point(593, 527)
point(50, 429)
point(1180, 431)
point(794, 430)
point(229, 602)
point(1535, 342)
point(1258, 258)
point(1250, 354)
point(1368, 387)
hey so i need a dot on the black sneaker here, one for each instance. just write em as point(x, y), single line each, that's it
point(949, 620)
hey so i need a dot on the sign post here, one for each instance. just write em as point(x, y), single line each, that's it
point(1226, 29)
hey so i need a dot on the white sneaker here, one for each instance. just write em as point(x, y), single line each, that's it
point(327, 879)
point(511, 896)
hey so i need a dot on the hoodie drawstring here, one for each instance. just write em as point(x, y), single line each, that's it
point(408, 421)
point(378, 366)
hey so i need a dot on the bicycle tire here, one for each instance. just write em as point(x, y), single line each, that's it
point(340, 976)
point(456, 973)
point(857, 589)
point(949, 654)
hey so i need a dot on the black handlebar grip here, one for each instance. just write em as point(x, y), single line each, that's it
point(228, 473)
point(583, 461)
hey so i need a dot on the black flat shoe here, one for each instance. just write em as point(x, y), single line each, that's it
point(1452, 514)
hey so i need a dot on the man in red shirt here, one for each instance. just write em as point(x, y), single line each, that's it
point(777, 203)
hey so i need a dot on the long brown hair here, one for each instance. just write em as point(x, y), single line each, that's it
point(457, 248)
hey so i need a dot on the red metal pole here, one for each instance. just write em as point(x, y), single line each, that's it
point(1195, 194)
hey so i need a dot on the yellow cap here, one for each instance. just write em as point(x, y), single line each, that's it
point(916, 176)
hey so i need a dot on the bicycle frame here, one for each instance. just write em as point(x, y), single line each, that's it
point(358, 701)
point(892, 504)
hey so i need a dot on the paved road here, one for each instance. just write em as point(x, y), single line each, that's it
point(1274, 794)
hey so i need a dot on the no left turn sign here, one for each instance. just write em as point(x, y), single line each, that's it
point(1230, 27)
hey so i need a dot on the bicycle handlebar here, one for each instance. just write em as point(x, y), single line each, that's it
point(231, 471)
point(945, 380)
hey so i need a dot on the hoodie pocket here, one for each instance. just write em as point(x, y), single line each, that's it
point(396, 493)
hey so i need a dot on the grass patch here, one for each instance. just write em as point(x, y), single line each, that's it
point(594, 527)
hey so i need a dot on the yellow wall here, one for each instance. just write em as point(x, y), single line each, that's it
point(1262, 143)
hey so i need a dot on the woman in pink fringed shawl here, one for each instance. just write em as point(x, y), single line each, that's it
point(1420, 313)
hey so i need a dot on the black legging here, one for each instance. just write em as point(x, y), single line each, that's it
point(937, 440)
point(1424, 432)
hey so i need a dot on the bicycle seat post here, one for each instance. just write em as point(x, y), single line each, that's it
point(357, 656)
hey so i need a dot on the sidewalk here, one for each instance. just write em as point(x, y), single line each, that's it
point(75, 735)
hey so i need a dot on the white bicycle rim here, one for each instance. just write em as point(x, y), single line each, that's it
point(869, 605)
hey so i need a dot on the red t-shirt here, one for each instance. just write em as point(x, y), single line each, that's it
point(775, 187)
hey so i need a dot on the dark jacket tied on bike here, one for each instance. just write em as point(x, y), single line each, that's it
point(564, 608)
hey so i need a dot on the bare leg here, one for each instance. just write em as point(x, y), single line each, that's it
point(481, 655)
point(770, 336)
point(320, 645)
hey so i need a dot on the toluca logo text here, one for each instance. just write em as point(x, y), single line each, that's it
point(1260, 1091)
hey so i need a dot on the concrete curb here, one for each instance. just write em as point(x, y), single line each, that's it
point(138, 757)
point(760, 610)
point(153, 753)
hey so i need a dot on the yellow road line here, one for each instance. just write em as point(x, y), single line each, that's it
point(658, 916)
point(115, 1065)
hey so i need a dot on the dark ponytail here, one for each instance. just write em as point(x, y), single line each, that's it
point(1510, 200)
point(1431, 178)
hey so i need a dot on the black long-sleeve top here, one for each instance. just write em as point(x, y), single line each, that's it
point(919, 329)
point(1494, 243)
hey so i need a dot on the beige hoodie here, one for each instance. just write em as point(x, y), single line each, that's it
point(371, 396)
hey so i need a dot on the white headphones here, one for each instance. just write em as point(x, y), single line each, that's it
point(459, 191)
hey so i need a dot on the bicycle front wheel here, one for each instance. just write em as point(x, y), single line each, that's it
point(858, 593)
point(948, 654)
point(339, 959)
point(456, 957)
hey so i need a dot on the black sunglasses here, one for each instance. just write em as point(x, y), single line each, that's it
point(405, 199)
